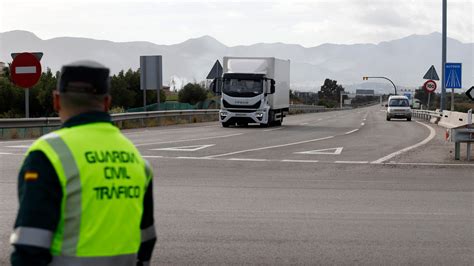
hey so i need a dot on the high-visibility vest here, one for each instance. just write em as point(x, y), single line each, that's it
point(103, 179)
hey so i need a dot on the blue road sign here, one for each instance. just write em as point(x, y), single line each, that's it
point(408, 95)
point(453, 75)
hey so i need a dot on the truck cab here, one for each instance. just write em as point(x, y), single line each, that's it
point(254, 91)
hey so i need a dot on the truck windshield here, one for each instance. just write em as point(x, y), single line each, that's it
point(243, 87)
point(399, 103)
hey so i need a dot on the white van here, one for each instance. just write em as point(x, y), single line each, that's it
point(398, 107)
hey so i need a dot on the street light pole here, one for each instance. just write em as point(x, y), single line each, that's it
point(394, 87)
point(443, 57)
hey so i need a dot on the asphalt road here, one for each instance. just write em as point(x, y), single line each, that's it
point(340, 188)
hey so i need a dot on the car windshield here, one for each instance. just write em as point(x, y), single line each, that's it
point(399, 103)
point(243, 87)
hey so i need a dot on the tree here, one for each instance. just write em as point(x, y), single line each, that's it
point(330, 92)
point(192, 93)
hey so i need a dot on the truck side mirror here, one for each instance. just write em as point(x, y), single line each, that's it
point(272, 86)
point(216, 86)
point(386, 105)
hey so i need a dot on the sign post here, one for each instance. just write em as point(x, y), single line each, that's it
point(453, 78)
point(25, 73)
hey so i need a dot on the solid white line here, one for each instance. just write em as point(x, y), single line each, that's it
point(151, 156)
point(25, 70)
point(267, 130)
point(391, 155)
point(352, 131)
point(304, 124)
point(247, 159)
point(300, 161)
point(432, 164)
point(352, 162)
point(270, 147)
point(16, 141)
point(185, 140)
point(191, 158)
point(19, 146)
point(5, 153)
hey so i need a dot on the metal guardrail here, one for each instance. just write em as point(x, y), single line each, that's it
point(55, 121)
point(427, 114)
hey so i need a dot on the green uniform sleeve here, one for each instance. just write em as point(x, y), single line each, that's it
point(39, 195)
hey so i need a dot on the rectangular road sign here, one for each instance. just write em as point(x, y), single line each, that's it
point(151, 72)
point(453, 72)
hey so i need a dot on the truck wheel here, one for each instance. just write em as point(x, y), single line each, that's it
point(388, 118)
point(225, 124)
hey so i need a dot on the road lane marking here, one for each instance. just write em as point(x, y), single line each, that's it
point(247, 159)
point(329, 151)
point(5, 153)
point(304, 124)
point(185, 148)
point(18, 146)
point(269, 147)
point(273, 129)
point(362, 124)
point(300, 161)
point(152, 156)
point(186, 140)
point(426, 140)
point(352, 162)
point(352, 131)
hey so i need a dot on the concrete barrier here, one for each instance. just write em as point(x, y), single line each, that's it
point(453, 119)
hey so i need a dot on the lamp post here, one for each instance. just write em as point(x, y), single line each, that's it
point(394, 87)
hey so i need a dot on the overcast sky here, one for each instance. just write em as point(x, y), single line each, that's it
point(309, 23)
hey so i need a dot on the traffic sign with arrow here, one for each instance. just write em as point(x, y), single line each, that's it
point(216, 71)
point(470, 93)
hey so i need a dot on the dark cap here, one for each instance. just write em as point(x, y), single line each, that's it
point(84, 77)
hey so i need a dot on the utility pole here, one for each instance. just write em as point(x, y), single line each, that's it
point(443, 57)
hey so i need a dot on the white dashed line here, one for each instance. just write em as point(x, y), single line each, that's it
point(273, 129)
point(352, 162)
point(152, 156)
point(5, 153)
point(247, 159)
point(352, 131)
point(18, 146)
point(299, 161)
point(362, 124)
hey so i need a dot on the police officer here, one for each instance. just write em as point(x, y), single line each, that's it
point(85, 192)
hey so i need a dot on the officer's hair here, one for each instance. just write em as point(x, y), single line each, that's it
point(82, 101)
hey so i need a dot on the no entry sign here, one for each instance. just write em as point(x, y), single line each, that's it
point(430, 86)
point(25, 70)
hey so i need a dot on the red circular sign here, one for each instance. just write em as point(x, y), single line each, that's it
point(430, 86)
point(25, 70)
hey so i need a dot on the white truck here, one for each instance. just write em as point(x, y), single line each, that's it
point(254, 90)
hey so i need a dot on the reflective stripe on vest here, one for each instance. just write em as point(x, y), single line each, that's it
point(32, 237)
point(148, 233)
point(120, 260)
point(72, 210)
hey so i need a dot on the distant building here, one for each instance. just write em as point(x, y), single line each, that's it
point(365, 92)
point(2, 66)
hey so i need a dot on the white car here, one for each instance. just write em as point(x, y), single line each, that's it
point(398, 107)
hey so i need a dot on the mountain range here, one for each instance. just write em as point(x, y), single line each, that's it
point(404, 60)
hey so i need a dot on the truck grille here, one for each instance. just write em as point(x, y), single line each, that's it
point(228, 105)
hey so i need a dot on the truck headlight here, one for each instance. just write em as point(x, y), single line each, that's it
point(223, 113)
point(259, 115)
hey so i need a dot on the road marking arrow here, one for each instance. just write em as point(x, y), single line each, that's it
point(185, 148)
point(330, 151)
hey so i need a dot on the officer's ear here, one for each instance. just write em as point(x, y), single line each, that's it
point(56, 101)
point(107, 102)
